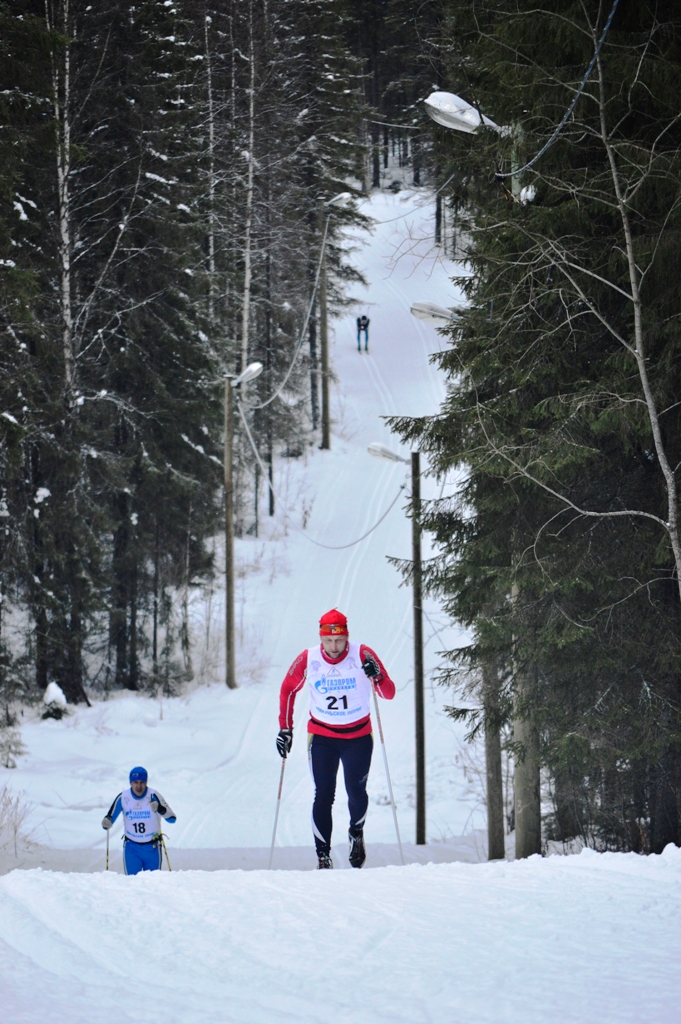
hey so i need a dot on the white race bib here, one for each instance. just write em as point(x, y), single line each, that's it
point(141, 823)
point(339, 694)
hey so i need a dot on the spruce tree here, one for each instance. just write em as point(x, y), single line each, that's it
point(566, 496)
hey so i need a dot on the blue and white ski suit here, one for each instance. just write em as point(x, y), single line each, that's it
point(142, 847)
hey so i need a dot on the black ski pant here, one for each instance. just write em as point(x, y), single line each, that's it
point(326, 752)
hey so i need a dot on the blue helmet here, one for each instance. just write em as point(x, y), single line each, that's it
point(138, 775)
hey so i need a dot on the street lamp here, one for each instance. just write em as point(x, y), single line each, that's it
point(341, 198)
point(431, 313)
point(252, 371)
point(452, 112)
point(381, 451)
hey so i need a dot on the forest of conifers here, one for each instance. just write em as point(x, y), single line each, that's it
point(164, 169)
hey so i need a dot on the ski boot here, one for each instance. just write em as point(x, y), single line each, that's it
point(357, 853)
point(324, 859)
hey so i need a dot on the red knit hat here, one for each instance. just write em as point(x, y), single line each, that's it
point(333, 623)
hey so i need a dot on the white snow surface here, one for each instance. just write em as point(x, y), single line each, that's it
point(588, 938)
point(591, 938)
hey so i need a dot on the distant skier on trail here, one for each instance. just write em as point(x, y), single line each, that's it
point(339, 676)
point(142, 810)
point(363, 325)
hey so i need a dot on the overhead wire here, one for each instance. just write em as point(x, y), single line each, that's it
point(585, 79)
point(303, 329)
point(388, 124)
point(319, 544)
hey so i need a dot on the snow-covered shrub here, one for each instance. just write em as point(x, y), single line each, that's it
point(54, 701)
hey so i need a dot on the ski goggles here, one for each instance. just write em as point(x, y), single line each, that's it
point(333, 629)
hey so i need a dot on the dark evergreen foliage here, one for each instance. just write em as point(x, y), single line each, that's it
point(557, 549)
point(124, 142)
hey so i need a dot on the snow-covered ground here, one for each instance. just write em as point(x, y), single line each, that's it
point(591, 939)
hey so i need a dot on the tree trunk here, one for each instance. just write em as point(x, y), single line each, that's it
point(324, 343)
point(186, 640)
point(249, 197)
point(314, 391)
point(154, 638)
point(61, 89)
point(118, 625)
point(211, 178)
point(133, 668)
point(664, 824)
point(375, 157)
point(416, 162)
point(268, 341)
point(72, 680)
point(495, 793)
point(41, 679)
point(526, 776)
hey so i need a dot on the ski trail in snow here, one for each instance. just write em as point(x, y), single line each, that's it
point(354, 563)
point(387, 406)
point(416, 331)
point(213, 754)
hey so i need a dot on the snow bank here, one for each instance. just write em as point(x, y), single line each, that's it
point(582, 939)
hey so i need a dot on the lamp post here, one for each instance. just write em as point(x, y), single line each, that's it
point(250, 373)
point(452, 112)
point(324, 325)
point(381, 451)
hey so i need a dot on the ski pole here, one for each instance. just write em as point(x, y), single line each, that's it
point(387, 774)
point(164, 848)
point(276, 813)
point(107, 850)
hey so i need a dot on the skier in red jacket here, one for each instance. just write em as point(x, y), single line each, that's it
point(339, 676)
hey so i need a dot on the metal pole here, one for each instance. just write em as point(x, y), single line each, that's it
point(164, 849)
point(387, 774)
point(107, 850)
point(324, 343)
point(276, 813)
point(230, 658)
point(419, 717)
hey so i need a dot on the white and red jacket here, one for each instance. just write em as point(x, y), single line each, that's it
point(295, 680)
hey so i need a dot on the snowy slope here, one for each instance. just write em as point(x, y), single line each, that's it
point(212, 753)
point(591, 939)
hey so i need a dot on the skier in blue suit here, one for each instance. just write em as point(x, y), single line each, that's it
point(142, 810)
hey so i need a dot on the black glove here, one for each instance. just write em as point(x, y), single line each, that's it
point(284, 742)
point(371, 667)
point(107, 823)
point(156, 806)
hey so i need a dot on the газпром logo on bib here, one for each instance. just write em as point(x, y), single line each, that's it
point(326, 684)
